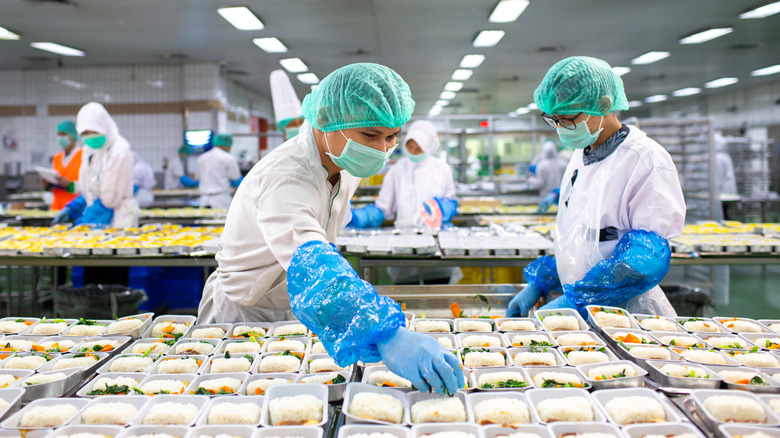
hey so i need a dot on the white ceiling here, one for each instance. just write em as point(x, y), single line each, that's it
point(423, 40)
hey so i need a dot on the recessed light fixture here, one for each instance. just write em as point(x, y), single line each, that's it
point(762, 11)
point(507, 11)
point(294, 65)
point(532, 106)
point(649, 58)
point(522, 110)
point(706, 35)
point(488, 38)
point(462, 74)
point(6, 34)
point(447, 95)
point(309, 78)
point(453, 86)
point(270, 45)
point(634, 103)
point(241, 18)
point(58, 49)
point(621, 70)
point(690, 91)
point(471, 61)
point(656, 98)
point(722, 82)
point(434, 111)
point(442, 102)
point(766, 71)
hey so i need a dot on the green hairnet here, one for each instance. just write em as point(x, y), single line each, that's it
point(358, 96)
point(581, 84)
point(185, 150)
point(283, 124)
point(223, 139)
point(68, 127)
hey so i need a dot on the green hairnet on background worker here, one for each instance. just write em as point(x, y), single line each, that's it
point(223, 140)
point(275, 257)
point(68, 127)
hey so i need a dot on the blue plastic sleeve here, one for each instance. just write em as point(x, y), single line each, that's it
point(186, 181)
point(557, 192)
point(96, 214)
point(75, 208)
point(369, 216)
point(449, 208)
point(640, 261)
point(236, 182)
point(345, 312)
point(543, 274)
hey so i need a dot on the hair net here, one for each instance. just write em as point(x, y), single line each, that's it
point(223, 139)
point(425, 134)
point(68, 127)
point(581, 84)
point(184, 150)
point(94, 117)
point(549, 150)
point(358, 96)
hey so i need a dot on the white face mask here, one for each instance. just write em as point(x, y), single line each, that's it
point(579, 137)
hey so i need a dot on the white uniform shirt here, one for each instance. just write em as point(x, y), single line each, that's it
point(284, 202)
point(727, 181)
point(143, 177)
point(216, 169)
point(549, 173)
point(173, 173)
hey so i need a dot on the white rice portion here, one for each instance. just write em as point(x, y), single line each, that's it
point(605, 319)
point(565, 409)
point(75, 362)
point(438, 410)
point(153, 435)
point(379, 377)
point(91, 344)
point(558, 377)
point(775, 326)
point(178, 365)
point(774, 405)
point(735, 376)
point(7, 379)
point(700, 326)
point(679, 435)
point(531, 358)
point(12, 327)
point(369, 435)
point(508, 411)
point(297, 410)
point(522, 435)
point(285, 345)
point(525, 340)
point(597, 435)
point(679, 341)
point(761, 342)
point(101, 383)
point(635, 409)
point(53, 415)
point(757, 435)
point(611, 370)
point(157, 330)
point(586, 357)
point(131, 364)
point(171, 413)
point(234, 413)
point(741, 326)
point(703, 356)
point(556, 323)
point(18, 344)
point(208, 332)
point(651, 353)
point(119, 414)
point(683, 371)
point(123, 325)
point(61, 345)
point(499, 377)
point(324, 364)
point(291, 330)
point(242, 347)
point(659, 324)
point(37, 379)
point(279, 364)
point(49, 328)
point(734, 408)
point(776, 376)
point(446, 342)
point(156, 347)
point(242, 329)
point(319, 348)
point(263, 385)
point(475, 326)
point(484, 359)
point(86, 330)
point(324, 378)
point(723, 341)
point(480, 341)
point(428, 326)
point(380, 407)
point(574, 340)
point(24, 363)
point(217, 384)
point(3, 405)
point(159, 386)
point(517, 326)
point(450, 434)
point(194, 348)
point(760, 360)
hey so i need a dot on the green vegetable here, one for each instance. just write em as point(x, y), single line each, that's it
point(536, 350)
point(170, 342)
point(757, 380)
point(138, 391)
point(227, 355)
point(672, 342)
point(754, 349)
point(339, 379)
point(508, 384)
point(250, 358)
point(540, 344)
point(481, 298)
point(552, 383)
point(83, 321)
point(621, 374)
point(19, 320)
point(147, 352)
point(204, 391)
point(113, 389)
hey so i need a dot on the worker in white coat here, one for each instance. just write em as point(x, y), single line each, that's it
point(549, 172)
point(727, 182)
point(620, 200)
point(175, 168)
point(287, 106)
point(106, 174)
point(218, 173)
point(275, 253)
point(143, 181)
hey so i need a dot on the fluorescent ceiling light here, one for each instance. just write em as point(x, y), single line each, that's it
point(453, 86)
point(442, 102)
point(762, 11)
point(488, 38)
point(656, 98)
point(522, 110)
point(471, 61)
point(309, 78)
point(634, 103)
point(6, 34)
point(532, 106)
point(462, 74)
point(766, 71)
point(621, 70)
point(58, 49)
point(507, 11)
point(434, 111)
point(73, 84)
point(447, 95)
point(690, 91)
point(706, 35)
point(241, 18)
point(722, 82)
point(293, 65)
point(649, 58)
point(270, 45)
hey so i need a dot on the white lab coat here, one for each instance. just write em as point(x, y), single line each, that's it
point(284, 202)
point(216, 169)
point(549, 170)
point(107, 173)
point(143, 177)
point(173, 173)
point(727, 181)
point(635, 188)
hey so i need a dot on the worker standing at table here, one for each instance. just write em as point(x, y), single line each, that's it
point(176, 168)
point(218, 173)
point(549, 172)
point(143, 181)
point(66, 163)
point(620, 200)
point(287, 106)
point(275, 256)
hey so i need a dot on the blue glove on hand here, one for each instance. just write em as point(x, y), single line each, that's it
point(135, 189)
point(188, 182)
point(522, 303)
point(548, 201)
point(61, 217)
point(559, 303)
point(423, 360)
point(236, 182)
point(96, 214)
point(74, 209)
point(369, 216)
point(437, 212)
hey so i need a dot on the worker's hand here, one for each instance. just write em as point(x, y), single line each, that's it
point(547, 202)
point(423, 360)
point(369, 216)
point(61, 217)
point(437, 212)
point(522, 303)
point(63, 182)
point(188, 182)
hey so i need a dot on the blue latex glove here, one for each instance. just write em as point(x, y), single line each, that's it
point(422, 360)
point(135, 189)
point(369, 216)
point(437, 212)
point(188, 182)
point(236, 182)
point(640, 261)
point(75, 208)
point(522, 303)
point(347, 313)
point(96, 214)
point(532, 169)
point(61, 217)
point(548, 201)
point(559, 303)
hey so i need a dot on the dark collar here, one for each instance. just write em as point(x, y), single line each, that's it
point(594, 156)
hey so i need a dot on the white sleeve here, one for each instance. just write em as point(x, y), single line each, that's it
point(117, 179)
point(449, 182)
point(386, 200)
point(656, 202)
point(233, 171)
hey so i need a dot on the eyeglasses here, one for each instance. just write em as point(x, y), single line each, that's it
point(566, 123)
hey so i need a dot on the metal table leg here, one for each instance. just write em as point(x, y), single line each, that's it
point(20, 292)
point(55, 293)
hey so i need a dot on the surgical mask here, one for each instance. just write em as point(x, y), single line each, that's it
point(415, 158)
point(579, 137)
point(63, 140)
point(291, 132)
point(359, 160)
point(95, 141)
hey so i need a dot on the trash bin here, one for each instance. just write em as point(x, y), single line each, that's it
point(98, 301)
point(689, 301)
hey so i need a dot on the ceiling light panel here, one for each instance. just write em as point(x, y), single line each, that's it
point(447, 95)
point(706, 35)
point(241, 18)
point(721, 82)
point(690, 91)
point(270, 45)
point(656, 98)
point(766, 71)
point(294, 65)
point(472, 61)
point(453, 86)
point(507, 11)
point(58, 49)
point(462, 74)
point(762, 11)
point(488, 38)
point(621, 70)
point(6, 34)
point(309, 78)
point(649, 58)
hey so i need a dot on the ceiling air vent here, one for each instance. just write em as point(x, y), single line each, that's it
point(746, 46)
point(551, 49)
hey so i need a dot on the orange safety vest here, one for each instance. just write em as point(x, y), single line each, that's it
point(71, 172)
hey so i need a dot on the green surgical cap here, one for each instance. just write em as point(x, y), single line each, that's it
point(580, 84)
point(359, 96)
point(223, 139)
point(68, 127)
point(185, 150)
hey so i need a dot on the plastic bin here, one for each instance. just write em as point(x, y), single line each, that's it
point(102, 301)
point(689, 301)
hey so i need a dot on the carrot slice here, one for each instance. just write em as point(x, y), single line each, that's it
point(107, 348)
point(743, 382)
point(168, 329)
point(259, 391)
point(38, 348)
point(455, 308)
point(392, 385)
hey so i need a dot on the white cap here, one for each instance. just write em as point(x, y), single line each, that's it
point(286, 102)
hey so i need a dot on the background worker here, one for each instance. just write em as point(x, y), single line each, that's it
point(66, 163)
point(218, 173)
